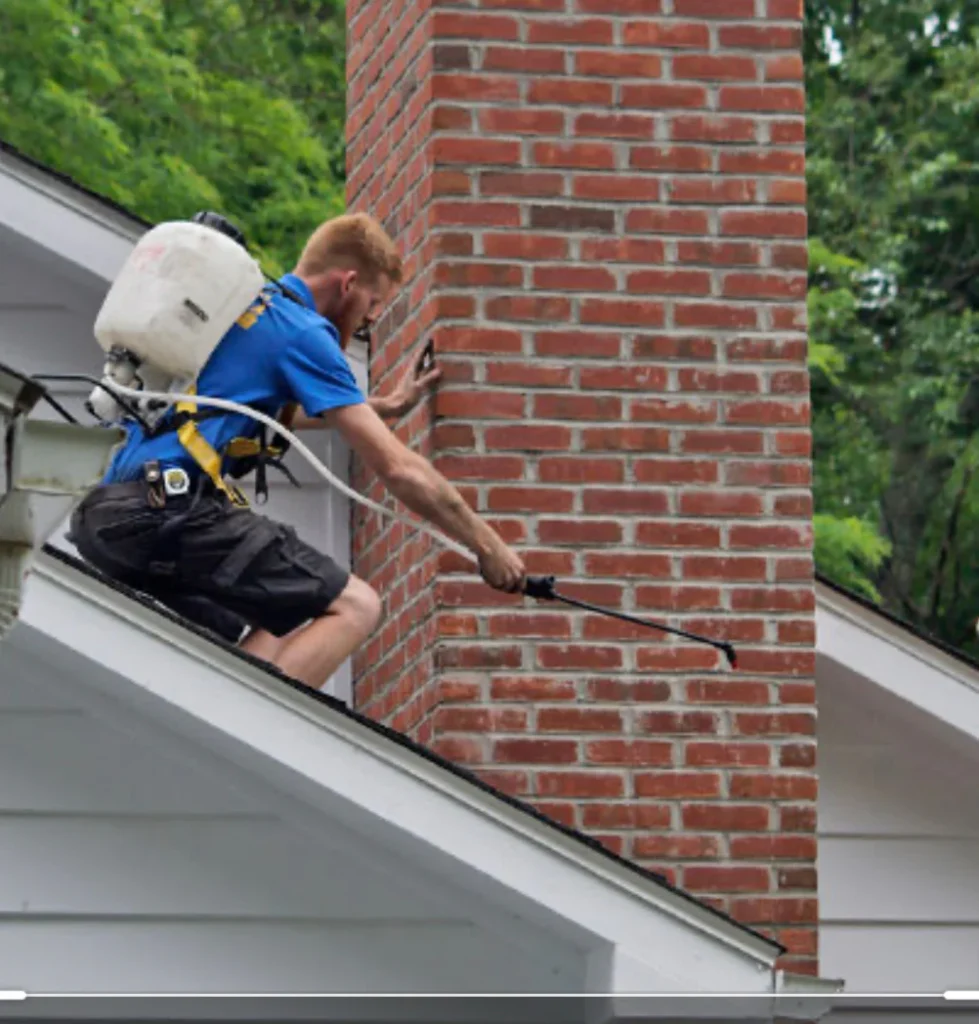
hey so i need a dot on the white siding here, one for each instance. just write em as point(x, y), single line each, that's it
point(898, 844)
point(130, 860)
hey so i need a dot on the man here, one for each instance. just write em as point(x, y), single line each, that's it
point(222, 565)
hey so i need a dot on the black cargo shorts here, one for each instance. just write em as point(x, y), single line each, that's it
point(219, 565)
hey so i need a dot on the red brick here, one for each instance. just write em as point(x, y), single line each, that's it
point(528, 375)
point(678, 598)
point(796, 633)
point(725, 817)
point(782, 536)
point(521, 183)
point(480, 467)
point(592, 31)
point(676, 658)
point(528, 307)
point(480, 720)
point(625, 691)
point(788, 193)
point(780, 599)
point(578, 720)
point(776, 910)
point(784, 68)
point(775, 723)
point(641, 378)
point(767, 98)
point(717, 442)
point(669, 282)
point(713, 128)
point(477, 275)
point(787, 662)
point(572, 218)
point(631, 501)
point(678, 847)
point(627, 816)
point(623, 250)
point(513, 246)
point(762, 161)
point(577, 344)
point(473, 87)
point(579, 532)
point(670, 158)
point(625, 439)
point(787, 10)
point(797, 819)
point(678, 535)
point(669, 410)
point(787, 132)
point(616, 64)
point(447, 24)
point(571, 656)
point(525, 5)
point(507, 121)
point(580, 784)
point(565, 813)
point(528, 437)
point(575, 469)
point(725, 879)
point(622, 312)
point(474, 214)
point(721, 503)
point(758, 37)
point(666, 34)
point(705, 314)
point(445, 118)
point(727, 755)
point(703, 68)
point(666, 221)
point(727, 382)
point(524, 625)
point(530, 499)
point(627, 566)
point(531, 688)
point(629, 752)
point(477, 656)
point(793, 569)
point(479, 405)
point(535, 751)
point(618, 126)
point(531, 61)
point(663, 96)
point(715, 567)
point(461, 750)
point(773, 848)
point(722, 191)
point(773, 787)
point(765, 223)
point(797, 755)
point(729, 9)
point(685, 722)
point(574, 279)
point(728, 692)
point(678, 785)
point(570, 91)
point(577, 407)
point(686, 347)
point(451, 183)
point(591, 155)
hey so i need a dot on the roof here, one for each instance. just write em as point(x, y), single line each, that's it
point(392, 736)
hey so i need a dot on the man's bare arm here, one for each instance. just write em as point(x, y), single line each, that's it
point(415, 482)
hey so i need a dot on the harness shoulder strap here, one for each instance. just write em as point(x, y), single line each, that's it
point(202, 452)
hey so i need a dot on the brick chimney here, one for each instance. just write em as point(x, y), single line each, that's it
point(602, 203)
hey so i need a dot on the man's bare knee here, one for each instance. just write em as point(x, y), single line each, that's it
point(359, 603)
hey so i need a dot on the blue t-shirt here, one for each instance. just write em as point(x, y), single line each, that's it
point(279, 352)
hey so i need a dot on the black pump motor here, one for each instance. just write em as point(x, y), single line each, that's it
point(220, 223)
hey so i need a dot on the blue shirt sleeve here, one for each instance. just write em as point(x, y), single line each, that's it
point(315, 373)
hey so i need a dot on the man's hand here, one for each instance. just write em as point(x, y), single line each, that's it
point(503, 569)
point(409, 390)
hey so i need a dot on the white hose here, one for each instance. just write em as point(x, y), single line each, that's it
point(224, 403)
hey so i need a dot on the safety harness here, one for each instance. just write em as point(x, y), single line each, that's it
point(247, 454)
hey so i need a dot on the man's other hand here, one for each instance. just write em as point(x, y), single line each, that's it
point(413, 385)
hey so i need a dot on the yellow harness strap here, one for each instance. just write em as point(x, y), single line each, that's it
point(203, 453)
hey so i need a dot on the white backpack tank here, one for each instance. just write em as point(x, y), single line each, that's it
point(177, 295)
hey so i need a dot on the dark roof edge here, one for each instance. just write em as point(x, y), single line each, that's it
point(69, 182)
point(916, 631)
point(402, 740)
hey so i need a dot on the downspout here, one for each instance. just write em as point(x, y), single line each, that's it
point(56, 464)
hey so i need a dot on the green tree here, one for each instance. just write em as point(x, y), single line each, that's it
point(894, 299)
point(169, 106)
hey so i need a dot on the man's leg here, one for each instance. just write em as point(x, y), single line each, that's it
point(313, 653)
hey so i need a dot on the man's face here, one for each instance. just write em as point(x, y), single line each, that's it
point(356, 303)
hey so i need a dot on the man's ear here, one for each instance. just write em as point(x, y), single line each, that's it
point(347, 281)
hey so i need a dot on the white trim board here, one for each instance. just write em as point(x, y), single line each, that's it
point(896, 661)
